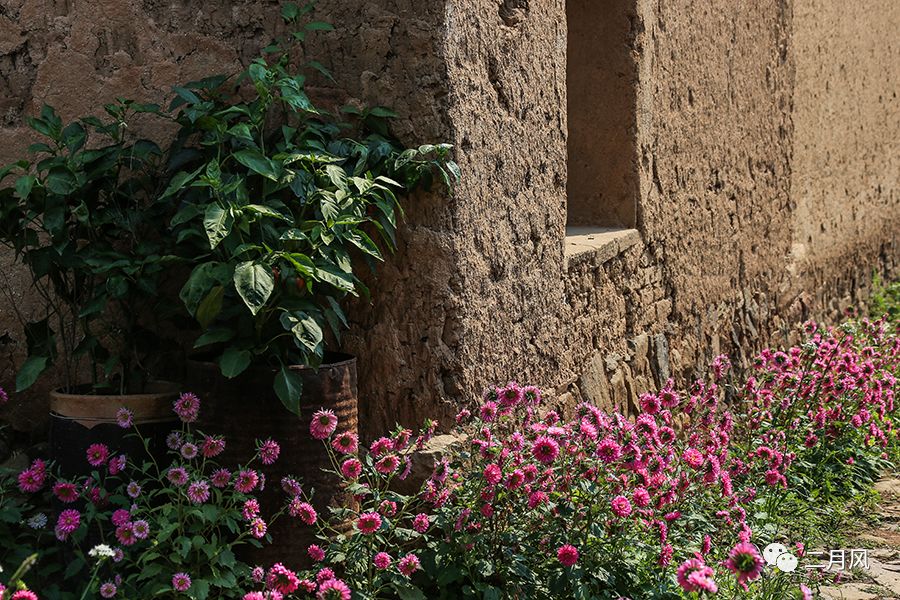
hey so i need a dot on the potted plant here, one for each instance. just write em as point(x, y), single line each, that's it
point(277, 204)
point(79, 216)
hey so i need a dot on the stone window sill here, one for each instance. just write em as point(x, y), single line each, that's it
point(597, 245)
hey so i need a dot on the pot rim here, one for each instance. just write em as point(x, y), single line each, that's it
point(162, 388)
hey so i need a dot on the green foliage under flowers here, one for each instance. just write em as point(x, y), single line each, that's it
point(277, 200)
point(885, 299)
point(81, 218)
point(526, 503)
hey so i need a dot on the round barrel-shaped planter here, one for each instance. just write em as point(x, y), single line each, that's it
point(79, 419)
point(245, 409)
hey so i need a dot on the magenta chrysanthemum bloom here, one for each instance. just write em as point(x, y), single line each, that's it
point(536, 499)
point(382, 560)
point(351, 468)
point(421, 523)
point(346, 442)
point(181, 582)
point(174, 440)
point(545, 449)
point(368, 522)
point(291, 486)
point(531, 395)
point(608, 450)
point(120, 517)
point(258, 527)
point(133, 489)
point(198, 492)
point(255, 596)
point(641, 497)
point(141, 529)
point(303, 511)
point(189, 451)
point(124, 418)
point(108, 589)
point(97, 454)
point(177, 475)
point(409, 564)
point(695, 576)
point(388, 508)
point(316, 553)
point(221, 478)
point(492, 474)
point(324, 575)
point(31, 481)
point(515, 479)
point(381, 446)
point(212, 446)
point(24, 595)
point(650, 404)
point(68, 521)
point(246, 481)
point(117, 465)
point(488, 411)
point(511, 395)
point(805, 593)
point(567, 555)
point(269, 451)
point(282, 580)
point(125, 534)
point(250, 509)
point(621, 506)
point(323, 424)
point(65, 492)
point(333, 589)
point(693, 457)
point(258, 574)
point(187, 407)
point(745, 562)
point(387, 464)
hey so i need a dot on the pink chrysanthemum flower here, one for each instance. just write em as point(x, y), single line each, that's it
point(31, 480)
point(24, 595)
point(187, 407)
point(488, 411)
point(609, 450)
point(381, 446)
point(745, 562)
point(174, 440)
point(258, 528)
point(303, 511)
point(346, 442)
point(291, 486)
point(535, 499)
point(97, 454)
point(387, 464)
point(511, 395)
point(117, 465)
point(269, 451)
point(125, 534)
point(421, 523)
point(323, 424)
point(368, 522)
point(250, 509)
point(388, 508)
point(65, 492)
point(545, 449)
point(108, 589)
point(695, 576)
point(198, 492)
point(515, 479)
point(212, 446)
point(567, 555)
point(246, 481)
point(351, 468)
point(409, 564)
point(189, 451)
point(693, 457)
point(324, 575)
point(316, 553)
point(805, 593)
point(133, 489)
point(382, 560)
point(282, 580)
point(67, 522)
point(120, 517)
point(177, 475)
point(141, 529)
point(124, 418)
point(333, 589)
point(221, 478)
point(181, 582)
point(492, 474)
point(621, 506)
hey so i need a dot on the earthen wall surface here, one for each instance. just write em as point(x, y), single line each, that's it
point(764, 151)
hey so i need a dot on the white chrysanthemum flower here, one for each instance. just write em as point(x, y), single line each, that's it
point(38, 521)
point(101, 551)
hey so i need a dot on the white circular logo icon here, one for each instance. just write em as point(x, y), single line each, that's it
point(778, 556)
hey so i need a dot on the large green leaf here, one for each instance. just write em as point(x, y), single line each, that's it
point(218, 222)
point(234, 362)
point(210, 306)
point(202, 279)
point(30, 371)
point(289, 388)
point(254, 282)
point(258, 163)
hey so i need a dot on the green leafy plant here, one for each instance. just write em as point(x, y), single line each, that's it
point(79, 217)
point(885, 299)
point(277, 202)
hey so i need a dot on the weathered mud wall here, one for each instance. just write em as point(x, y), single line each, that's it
point(762, 152)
